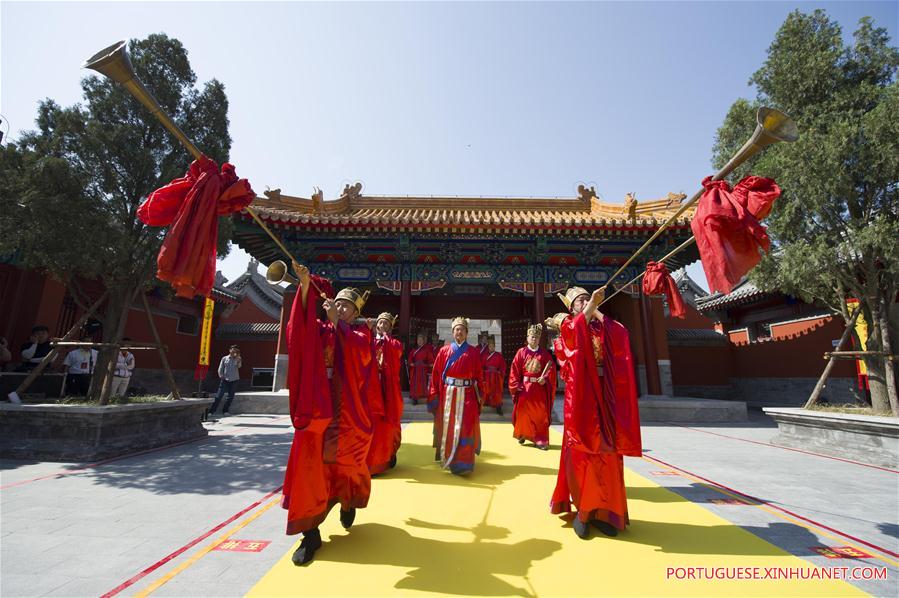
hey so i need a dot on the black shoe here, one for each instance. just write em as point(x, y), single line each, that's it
point(312, 541)
point(347, 518)
point(415, 401)
point(392, 463)
point(580, 528)
point(499, 410)
point(543, 447)
point(521, 441)
point(606, 528)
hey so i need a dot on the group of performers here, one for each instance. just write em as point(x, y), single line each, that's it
point(346, 405)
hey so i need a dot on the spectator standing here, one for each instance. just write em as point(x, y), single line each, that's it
point(123, 369)
point(229, 373)
point(5, 355)
point(79, 367)
point(37, 347)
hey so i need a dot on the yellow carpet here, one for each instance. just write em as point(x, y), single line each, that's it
point(491, 534)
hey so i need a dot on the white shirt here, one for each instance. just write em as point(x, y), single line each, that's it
point(80, 361)
point(124, 364)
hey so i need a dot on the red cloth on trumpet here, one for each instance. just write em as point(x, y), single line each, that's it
point(658, 281)
point(192, 205)
point(727, 228)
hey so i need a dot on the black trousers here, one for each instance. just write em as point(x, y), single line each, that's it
point(78, 384)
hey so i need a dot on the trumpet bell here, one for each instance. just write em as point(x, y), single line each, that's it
point(113, 62)
point(776, 124)
point(276, 273)
point(772, 126)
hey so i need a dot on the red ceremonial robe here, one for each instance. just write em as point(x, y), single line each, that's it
point(728, 233)
point(192, 205)
point(457, 409)
point(420, 361)
point(494, 377)
point(602, 421)
point(533, 401)
point(328, 367)
point(385, 440)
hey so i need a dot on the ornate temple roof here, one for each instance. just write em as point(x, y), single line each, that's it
point(354, 211)
point(254, 286)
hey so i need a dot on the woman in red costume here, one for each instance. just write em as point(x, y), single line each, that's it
point(532, 384)
point(385, 441)
point(421, 359)
point(602, 422)
point(494, 376)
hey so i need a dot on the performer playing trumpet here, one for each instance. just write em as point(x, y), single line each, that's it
point(602, 423)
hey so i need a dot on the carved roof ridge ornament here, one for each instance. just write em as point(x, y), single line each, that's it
point(630, 207)
point(352, 192)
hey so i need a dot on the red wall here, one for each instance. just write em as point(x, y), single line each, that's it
point(701, 366)
point(799, 357)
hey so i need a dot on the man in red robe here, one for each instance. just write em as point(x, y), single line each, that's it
point(329, 377)
point(532, 384)
point(421, 359)
point(602, 422)
point(386, 438)
point(457, 385)
point(482, 345)
point(494, 376)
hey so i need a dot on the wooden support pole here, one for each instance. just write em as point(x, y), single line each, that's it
point(48, 359)
point(165, 362)
point(135, 346)
point(816, 392)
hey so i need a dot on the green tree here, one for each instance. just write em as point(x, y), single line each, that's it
point(835, 229)
point(70, 189)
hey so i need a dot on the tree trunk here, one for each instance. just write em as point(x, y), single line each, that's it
point(117, 317)
point(888, 364)
point(880, 400)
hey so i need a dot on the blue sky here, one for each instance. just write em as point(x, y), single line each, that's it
point(492, 99)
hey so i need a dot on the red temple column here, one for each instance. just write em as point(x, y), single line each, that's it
point(650, 357)
point(539, 310)
point(405, 308)
point(280, 377)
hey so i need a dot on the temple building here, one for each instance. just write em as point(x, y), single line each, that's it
point(501, 260)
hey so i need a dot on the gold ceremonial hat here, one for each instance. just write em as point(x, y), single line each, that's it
point(571, 294)
point(555, 322)
point(535, 329)
point(386, 315)
point(353, 296)
point(491, 339)
point(460, 321)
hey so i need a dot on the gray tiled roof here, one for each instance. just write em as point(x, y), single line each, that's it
point(695, 336)
point(247, 330)
point(742, 293)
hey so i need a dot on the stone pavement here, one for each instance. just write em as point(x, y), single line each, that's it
point(147, 523)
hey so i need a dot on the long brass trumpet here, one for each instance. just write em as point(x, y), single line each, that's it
point(772, 126)
point(114, 63)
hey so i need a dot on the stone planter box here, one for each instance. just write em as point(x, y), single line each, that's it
point(865, 438)
point(77, 433)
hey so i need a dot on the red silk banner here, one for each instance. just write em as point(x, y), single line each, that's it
point(658, 281)
point(192, 205)
point(727, 228)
